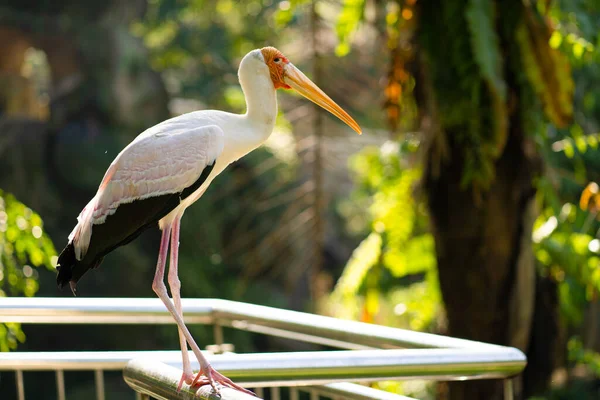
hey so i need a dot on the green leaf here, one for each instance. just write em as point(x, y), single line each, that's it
point(18, 248)
point(371, 287)
point(364, 257)
point(480, 15)
point(349, 18)
point(546, 68)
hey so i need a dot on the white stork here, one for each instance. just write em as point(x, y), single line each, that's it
point(167, 168)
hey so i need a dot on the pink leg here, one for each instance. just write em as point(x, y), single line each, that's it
point(207, 374)
point(175, 285)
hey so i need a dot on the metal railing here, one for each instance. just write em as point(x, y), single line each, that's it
point(373, 353)
point(158, 380)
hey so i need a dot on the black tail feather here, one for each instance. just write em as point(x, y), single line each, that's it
point(121, 227)
point(65, 264)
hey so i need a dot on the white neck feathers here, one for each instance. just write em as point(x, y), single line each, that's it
point(261, 99)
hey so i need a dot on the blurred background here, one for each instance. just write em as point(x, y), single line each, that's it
point(468, 207)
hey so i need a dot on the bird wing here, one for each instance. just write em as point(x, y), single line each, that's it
point(165, 159)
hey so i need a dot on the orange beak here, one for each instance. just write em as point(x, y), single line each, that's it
point(301, 84)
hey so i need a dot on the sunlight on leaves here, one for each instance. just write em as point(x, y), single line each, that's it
point(348, 20)
point(391, 277)
point(578, 354)
point(547, 69)
point(24, 246)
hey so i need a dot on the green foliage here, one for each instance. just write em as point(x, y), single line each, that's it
point(364, 258)
point(566, 242)
point(466, 82)
point(547, 69)
point(481, 16)
point(286, 13)
point(196, 44)
point(470, 73)
point(571, 258)
point(578, 354)
point(391, 277)
point(348, 20)
point(547, 53)
point(23, 247)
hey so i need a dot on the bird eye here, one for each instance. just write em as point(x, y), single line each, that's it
point(277, 59)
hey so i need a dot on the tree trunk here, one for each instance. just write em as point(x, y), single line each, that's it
point(485, 260)
point(483, 228)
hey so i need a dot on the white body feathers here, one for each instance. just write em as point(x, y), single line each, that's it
point(170, 156)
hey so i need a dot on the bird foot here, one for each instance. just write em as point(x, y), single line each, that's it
point(188, 378)
point(211, 377)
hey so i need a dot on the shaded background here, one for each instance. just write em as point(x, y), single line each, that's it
point(466, 208)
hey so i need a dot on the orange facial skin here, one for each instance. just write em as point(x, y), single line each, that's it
point(275, 60)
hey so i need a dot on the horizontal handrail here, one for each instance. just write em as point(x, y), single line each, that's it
point(358, 392)
point(160, 381)
point(298, 368)
point(249, 317)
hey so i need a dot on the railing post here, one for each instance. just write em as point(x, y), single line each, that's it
point(99, 382)
point(60, 384)
point(508, 389)
point(20, 385)
point(218, 333)
point(294, 395)
point(275, 394)
point(259, 392)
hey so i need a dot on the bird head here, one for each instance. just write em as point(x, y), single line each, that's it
point(286, 76)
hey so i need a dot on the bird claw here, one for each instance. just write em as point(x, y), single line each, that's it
point(187, 378)
point(211, 377)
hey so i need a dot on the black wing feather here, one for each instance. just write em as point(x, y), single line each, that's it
point(120, 228)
